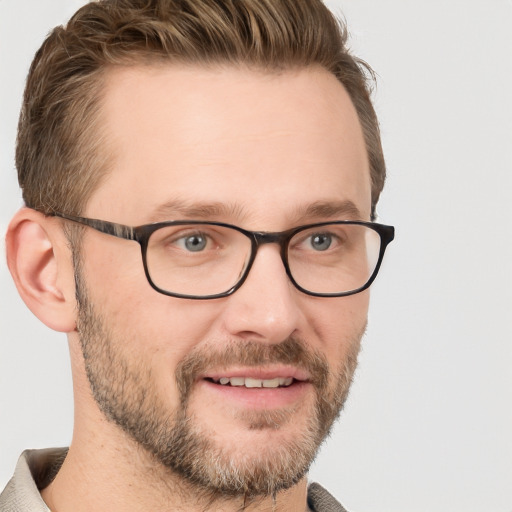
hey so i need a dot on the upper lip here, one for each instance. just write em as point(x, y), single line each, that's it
point(262, 373)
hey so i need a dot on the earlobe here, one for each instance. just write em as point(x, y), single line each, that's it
point(40, 264)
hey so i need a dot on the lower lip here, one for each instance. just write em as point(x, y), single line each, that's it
point(258, 398)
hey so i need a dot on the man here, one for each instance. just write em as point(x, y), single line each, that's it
point(200, 180)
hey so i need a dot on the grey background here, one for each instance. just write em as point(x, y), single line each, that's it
point(428, 425)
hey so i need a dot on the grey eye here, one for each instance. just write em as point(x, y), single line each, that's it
point(195, 243)
point(321, 241)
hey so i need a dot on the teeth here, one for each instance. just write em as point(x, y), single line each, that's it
point(271, 383)
point(248, 382)
point(253, 383)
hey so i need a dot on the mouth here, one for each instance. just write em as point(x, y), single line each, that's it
point(258, 388)
point(250, 382)
point(270, 377)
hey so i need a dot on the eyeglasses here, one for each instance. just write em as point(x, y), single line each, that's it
point(209, 260)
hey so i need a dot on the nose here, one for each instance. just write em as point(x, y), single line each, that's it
point(266, 306)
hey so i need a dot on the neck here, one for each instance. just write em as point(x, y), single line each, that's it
point(107, 471)
point(121, 477)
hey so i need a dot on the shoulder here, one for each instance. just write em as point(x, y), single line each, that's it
point(320, 500)
point(34, 470)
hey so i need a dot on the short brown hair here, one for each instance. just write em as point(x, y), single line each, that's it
point(58, 153)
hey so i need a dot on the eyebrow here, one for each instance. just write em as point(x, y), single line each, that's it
point(316, 211)
point(199, 211)
point(341, 210)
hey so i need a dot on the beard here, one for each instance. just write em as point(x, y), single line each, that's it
point(126, 393)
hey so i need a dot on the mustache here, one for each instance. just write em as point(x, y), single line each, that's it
point(292, 351)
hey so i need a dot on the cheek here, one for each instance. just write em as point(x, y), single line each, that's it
point(149, 323)
point(339, 323)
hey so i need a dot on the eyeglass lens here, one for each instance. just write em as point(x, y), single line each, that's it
point(204, 259)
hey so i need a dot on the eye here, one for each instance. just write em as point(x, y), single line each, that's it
point(193, 243)
point(320, 241)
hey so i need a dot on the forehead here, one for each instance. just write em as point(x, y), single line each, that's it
point(263, 144)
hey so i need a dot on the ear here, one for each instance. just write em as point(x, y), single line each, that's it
point(40, 262)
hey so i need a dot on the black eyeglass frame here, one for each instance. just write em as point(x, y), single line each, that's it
point(141, 234)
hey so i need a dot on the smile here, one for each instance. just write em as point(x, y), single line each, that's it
point(257, 388)
point(249, 382)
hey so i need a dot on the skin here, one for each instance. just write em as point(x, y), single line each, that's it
point(267, 145)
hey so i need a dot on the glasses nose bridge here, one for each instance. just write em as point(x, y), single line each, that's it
point(265, 237)
point(260, 238)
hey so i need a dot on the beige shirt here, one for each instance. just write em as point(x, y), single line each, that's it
point(37, 468)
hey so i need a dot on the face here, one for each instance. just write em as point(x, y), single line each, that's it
point(266, 152)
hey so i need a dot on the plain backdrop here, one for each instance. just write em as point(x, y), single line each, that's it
point(428, 425)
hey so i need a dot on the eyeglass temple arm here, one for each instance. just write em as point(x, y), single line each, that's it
point(109, 228)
